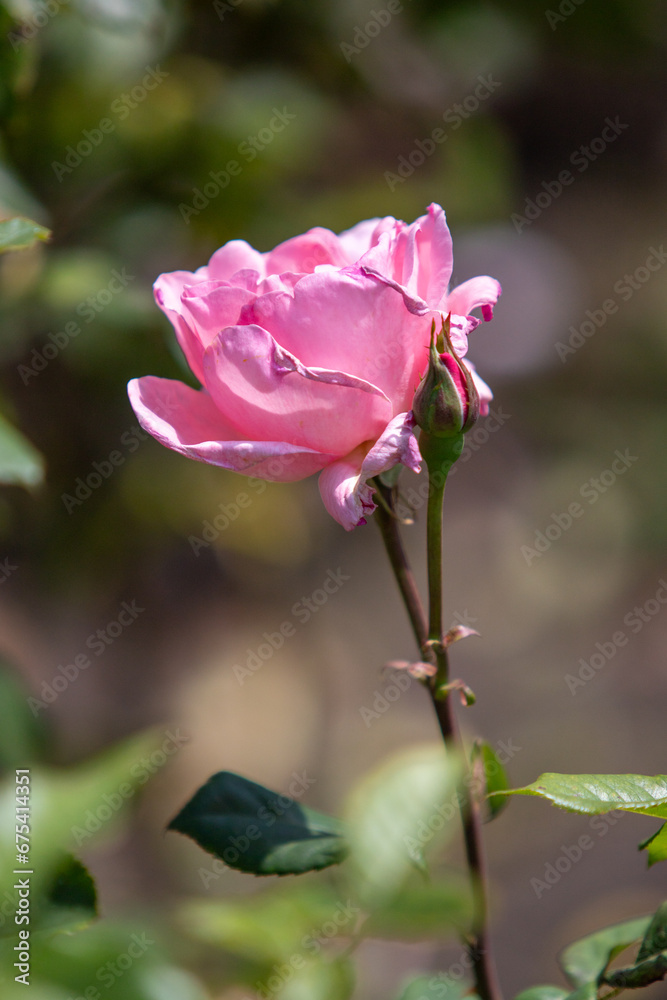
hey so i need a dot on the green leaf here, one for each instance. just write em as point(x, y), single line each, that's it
point(495, 777)
point(20, 233)
point(637, 976)
point(70, 966)
point(22, 734)
point(420, 912)
point(67, 903)
point(587, 991)
point(20, 463)
point(258, 831)
point(656, 846)
point(543, 993)
point(267, 926)
point(71, 903)
point(320, 981)
point(396, 814)
point(594, 794)
point(585, 960)
point(655, 939)
point(70, 806)
point(437, 986)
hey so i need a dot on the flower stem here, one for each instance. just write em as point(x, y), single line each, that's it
point(429, 637)
point(388, 523)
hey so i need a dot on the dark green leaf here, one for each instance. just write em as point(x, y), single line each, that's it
point(585, 960)
point(600, 793)
point(20, 463)
point(655, 939)
point(72, 898)
point(19, 233)
point(420, 912)
point(543, 993)
point(656, 846)
point(69, 903)
point(73, 886)
point(495, 777)
point(258, 831)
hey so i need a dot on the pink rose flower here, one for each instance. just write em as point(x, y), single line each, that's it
point(309, 355)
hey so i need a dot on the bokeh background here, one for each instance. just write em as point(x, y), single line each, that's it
point(522, 92)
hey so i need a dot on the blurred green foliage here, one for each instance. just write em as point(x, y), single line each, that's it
point(114, 116)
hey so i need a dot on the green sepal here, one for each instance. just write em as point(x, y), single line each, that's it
point(440, 453)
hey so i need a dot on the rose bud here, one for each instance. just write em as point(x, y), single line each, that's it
point(446, 403)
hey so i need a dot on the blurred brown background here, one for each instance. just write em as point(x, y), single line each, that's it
point(523, 94)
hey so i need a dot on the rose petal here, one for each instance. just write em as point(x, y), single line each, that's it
point(187, 421)
point(360, 238)
point(349, 321)
point(168, 289)
point(269, 393)
point(304, 253)
point(344, 484)
point(209, 306)
point(233, 257)
point(416, 260)
point(484, 392)
point(481, 291)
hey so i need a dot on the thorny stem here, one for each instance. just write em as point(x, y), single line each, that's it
point(429, 637)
